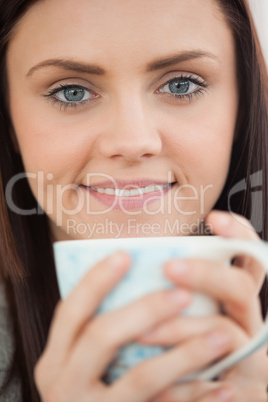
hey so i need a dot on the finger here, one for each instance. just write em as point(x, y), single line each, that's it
point(187, 392)
point(74, 312)
point(231, 225)
point(108, 332)
point(254, 392)
point(250, 371)
point(223, 394)
point(236, 226)
point(156, 375)
point(228, 393)
point(178, 330)
point(232, 287)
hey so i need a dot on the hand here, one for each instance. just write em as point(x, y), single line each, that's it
point(80, 345)
point(237, 289)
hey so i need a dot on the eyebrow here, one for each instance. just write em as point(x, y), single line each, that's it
point(72, 65)
point(180, 58)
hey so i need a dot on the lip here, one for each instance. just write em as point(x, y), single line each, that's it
point(128, 203)
point(127, 184)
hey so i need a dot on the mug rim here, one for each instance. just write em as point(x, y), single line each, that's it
point(165, 240)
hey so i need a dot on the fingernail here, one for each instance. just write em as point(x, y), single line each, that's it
point(179, 297)
point(218, 340)
point(116, 260)
point(225, 395)
point(224, 219)
point(178, 267)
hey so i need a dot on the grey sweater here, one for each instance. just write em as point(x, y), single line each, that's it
point(12, 393)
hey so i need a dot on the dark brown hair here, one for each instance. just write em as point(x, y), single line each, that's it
point(26, 259)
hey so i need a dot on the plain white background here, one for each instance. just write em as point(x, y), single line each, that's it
point(260, 12)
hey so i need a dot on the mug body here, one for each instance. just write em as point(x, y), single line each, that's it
point(148, 255)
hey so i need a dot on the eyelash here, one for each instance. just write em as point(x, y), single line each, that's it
point(65, 105)
point(73, 105)
point(200, 91)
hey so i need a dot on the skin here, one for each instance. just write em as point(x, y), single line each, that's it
point(169, 139)
point(189, 141)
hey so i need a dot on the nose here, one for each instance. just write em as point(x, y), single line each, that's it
point(131, 134)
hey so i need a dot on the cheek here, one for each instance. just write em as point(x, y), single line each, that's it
point(52, 144)
point(202, 142)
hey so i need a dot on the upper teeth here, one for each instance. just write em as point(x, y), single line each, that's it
point(130, 193)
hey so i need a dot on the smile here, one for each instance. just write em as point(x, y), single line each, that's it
point(132, 192)
point(129, 199)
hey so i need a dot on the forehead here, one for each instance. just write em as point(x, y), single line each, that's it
point(119, 32)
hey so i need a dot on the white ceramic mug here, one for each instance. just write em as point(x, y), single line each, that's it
point(74, 258)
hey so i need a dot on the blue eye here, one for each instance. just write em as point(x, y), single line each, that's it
point(73, 94)
point(181, 87)
point(70, 96)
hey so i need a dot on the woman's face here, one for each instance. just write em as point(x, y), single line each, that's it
point(124, 95)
